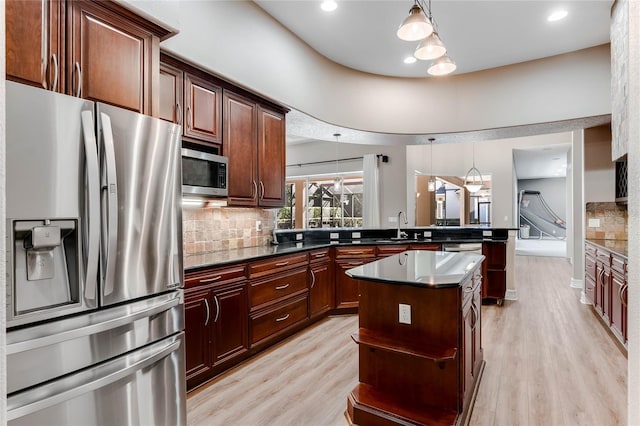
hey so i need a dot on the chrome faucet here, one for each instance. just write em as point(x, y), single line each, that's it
point(401, 234)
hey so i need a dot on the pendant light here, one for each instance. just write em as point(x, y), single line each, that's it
point(416, 26)
point(430, 48)
point(337, 181)
point(473, 179)
point(442, 66)
point(431, 186)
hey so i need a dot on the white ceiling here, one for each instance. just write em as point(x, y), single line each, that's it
point(479, 35)
point(541, 162)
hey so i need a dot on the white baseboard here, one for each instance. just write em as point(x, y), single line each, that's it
point(583, 298)
point(576, 283)
point(511, 295)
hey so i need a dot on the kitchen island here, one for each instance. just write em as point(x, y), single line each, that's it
point(420, 355)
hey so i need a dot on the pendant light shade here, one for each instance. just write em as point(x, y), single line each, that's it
point(430, 48)
point(442, 66)
point(473, 180)
point(416, 26)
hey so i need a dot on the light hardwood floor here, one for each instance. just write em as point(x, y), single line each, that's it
point(549, 362)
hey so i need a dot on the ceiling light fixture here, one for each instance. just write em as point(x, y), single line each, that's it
point(557, 15)
point(337, 180)
point(421, 26)
point(431, 186)
point(473, 179)
point(410, 60)
point(329, 5)
point(416, 26)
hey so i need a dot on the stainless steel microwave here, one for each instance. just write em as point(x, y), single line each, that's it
point(203, 173)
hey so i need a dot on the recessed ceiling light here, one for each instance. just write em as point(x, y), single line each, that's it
point(557, 15)
point(410, 60)
point(329, 5)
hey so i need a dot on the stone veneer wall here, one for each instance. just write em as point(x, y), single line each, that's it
point(215, 229)
point(613, 221)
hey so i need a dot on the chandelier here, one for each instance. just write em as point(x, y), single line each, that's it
point(422, 26)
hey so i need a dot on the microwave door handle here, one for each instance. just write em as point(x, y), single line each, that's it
point(110, 194)
point(92, 213)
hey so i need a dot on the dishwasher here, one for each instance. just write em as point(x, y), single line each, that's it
point(463, 247)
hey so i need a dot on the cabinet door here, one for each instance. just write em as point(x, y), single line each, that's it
point(170, 106)
point(347, 292)
point(271, 158)
point(34, 42)
point(197, 324)
point(321, 288)
point(110, 58)
point(231, 327)
point(494, 282)
point(617, 307)
point(477, 333)
point(603, 293)
point(240, 147)
point(466, 377)
point(203, 114)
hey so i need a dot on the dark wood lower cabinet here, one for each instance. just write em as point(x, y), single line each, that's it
point(216, 330)
point(347, 287)
point(494, 270)
point(321, 297)
point(606, 287)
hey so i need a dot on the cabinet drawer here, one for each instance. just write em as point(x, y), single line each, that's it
point(590, 250)
point(276, 264)
point(319, 255)
point(355, 252)
point(618, 264)
point(589, 289)
point(388, 250)
point(277, 319)
point(279, 287)
point(215, 276)
point(425, 246)
point(603, 257)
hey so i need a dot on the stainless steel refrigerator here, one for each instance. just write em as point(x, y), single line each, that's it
point(95, 313)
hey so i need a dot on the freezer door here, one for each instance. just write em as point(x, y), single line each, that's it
point(145, 387)
point(141, 204)
point(47, 351)
point(52, 191)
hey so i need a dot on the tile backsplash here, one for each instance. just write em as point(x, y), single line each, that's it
point(612, 218)
point(215, 228)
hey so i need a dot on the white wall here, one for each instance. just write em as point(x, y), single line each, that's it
point(553, 191)
point(491, 157)
point(241, 42)
point(3, 233)
point(391, 178)
point(599, 170)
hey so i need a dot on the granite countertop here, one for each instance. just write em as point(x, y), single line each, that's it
point(226, 257)
point(617, 246)
point(434, 269)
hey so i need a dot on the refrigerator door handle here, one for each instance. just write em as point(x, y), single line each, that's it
point(51, 339)
point(110, 194)
point(125, 368)
point(93, 210)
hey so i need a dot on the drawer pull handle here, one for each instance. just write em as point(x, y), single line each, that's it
point(210, 280)
point(468, 289)
point(355, 263)
point(282, 318)
point(355, 252)
point(282, 263)
point(282, 287)
point(318, 256)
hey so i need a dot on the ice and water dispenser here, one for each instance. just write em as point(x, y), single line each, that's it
point(44, 268)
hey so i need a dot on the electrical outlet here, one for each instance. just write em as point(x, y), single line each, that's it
point(355, 235)
point(487, 233)
point(334, 235)
point(258, 225)
point(404, 313)
point(427, 234)
point(299, 237)
point(393, 219)
point(594, 223)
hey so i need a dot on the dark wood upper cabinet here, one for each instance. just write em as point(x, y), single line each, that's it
point(203, 109)
point(271, 158)
point(35, 42)
point(112, 57)
point(170, 94)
